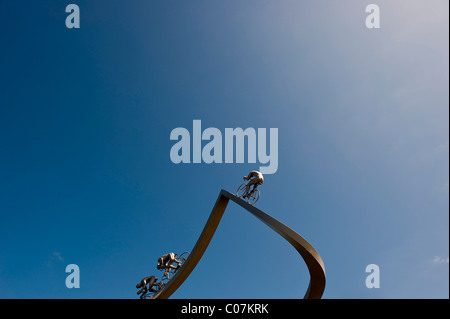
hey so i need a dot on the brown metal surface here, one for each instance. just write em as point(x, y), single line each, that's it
point(309, 254)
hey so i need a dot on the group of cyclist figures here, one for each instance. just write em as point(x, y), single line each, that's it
point(171, 262)
point(167, 263)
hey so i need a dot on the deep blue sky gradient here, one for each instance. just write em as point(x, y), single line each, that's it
point(86, 116)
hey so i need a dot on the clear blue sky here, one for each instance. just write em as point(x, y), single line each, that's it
point(86, 116)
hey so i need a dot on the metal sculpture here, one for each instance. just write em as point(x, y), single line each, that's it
point(255, 178)
point(168, 267)
point(309, 254)
point(165, 263)
point(148, 285)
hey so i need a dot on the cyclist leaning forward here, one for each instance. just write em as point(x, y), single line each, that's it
point(256, 178)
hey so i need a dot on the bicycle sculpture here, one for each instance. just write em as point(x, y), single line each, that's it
point(178, 268)
point(166, 263)
point(150, 285)
point(256, 178)
point(153, 286)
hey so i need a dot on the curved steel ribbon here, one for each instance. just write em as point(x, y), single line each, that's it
point(309, 254)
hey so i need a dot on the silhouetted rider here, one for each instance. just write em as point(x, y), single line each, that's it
point(256, 178)
point(151, 281)
point(166, 261)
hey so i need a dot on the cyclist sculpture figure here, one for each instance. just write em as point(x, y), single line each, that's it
point(152, 283)
point(166, 261)
point(256, 178)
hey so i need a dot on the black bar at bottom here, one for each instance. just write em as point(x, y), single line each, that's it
point(221, 308)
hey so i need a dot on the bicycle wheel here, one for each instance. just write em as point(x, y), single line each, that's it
point(241, 191)
point(145, 296)
point(184, 255)
point(182, 259)
point(253, 197)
